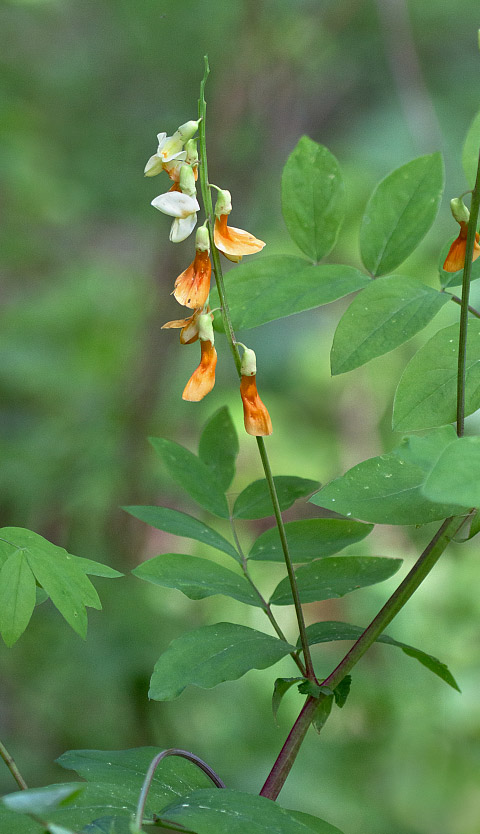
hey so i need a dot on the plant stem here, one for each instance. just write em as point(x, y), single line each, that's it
point(467, 270)
point(230, 334)
point(471, 310)
point(394, 604)
point(10, 762)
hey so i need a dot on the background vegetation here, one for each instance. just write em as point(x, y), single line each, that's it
point(86, 374)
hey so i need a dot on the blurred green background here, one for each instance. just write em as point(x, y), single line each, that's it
point(86, 375)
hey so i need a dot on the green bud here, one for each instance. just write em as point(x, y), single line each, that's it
point(202, 240)
point(205, 328)
point(187, 130)
point(187, 181)
point(224, 203)
point(248, 365)
point(459, 210)
point(192, 152)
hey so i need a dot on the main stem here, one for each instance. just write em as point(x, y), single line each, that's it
point(230, 334)
point(467, 271)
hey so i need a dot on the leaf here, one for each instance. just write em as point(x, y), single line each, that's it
point(313, 538)
point(255, 501)
point(470, 151)
point(197, 578)
point(427, 392)
point(328, 631)
point(280, 687)
point(42, 801)
point(313, 198)
point(334, 577)
point(219, 446)
point(322, 712)
point(109, 825)
point(456, 474)
point(400, 212)
point(388, 489)
point(384, 315)
point(212, 654)
point(342, 691)
point(455, 279)
point(193, 475)
point(181, 524)
point(58, 572)
point(17, 596)
point(277, 286)
point(92, 568)
point(225, 811)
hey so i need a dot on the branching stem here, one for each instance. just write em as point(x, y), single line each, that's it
point(10, 762)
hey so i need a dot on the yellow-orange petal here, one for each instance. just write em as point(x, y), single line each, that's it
point(455, 259)
point(193, 285)
point(232, 241)
point(255, 415)
point(203, 378)
point(189, 331)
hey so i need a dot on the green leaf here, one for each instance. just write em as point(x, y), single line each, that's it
point(334, 577)
point(277, 286)
point(455, 279)
point(17, 596)
point(310, 539)
point(427, 392)
point(42, 801)
point(109, 825)
point(212, 654)
point(313, 198)
point(322, 712)
point(342, 691)
point(181, 524)
point(255, 501)
point(280, 687)
point(384, 315)
point(92, 568)
point(388, 489)
point(400, 212)
point(219, 446)
point(225, 811)
point(456, 474)
point(58, 572)
point(193, 475)
point(330, 630)
point(470, 151)
point(197, 578)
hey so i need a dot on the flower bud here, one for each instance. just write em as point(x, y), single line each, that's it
point(187, 181)
point(192, 152)
point(224, 203)
point(187, 131)
point(459, 210)
point(248, 365)
point(202, 239)
point(205, 328)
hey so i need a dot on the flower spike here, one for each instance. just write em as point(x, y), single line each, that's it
point(234, 243)
point(255, 415)
point(192, 287)
point(455, 259)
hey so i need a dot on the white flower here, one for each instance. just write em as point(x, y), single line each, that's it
point(183, 208)
point(169, 147)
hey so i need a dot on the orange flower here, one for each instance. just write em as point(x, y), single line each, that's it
point(455, 259)
point(203, 378)
point(255, 415)
point(235, 242)
point(189, 331)
point(193, 285)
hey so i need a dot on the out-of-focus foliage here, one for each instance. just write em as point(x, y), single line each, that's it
point(86, 374)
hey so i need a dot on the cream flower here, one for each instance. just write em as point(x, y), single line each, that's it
point(183, 208)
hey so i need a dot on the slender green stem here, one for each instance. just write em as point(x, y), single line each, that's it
point(394, 604)
point(230, 334)
point(173, 751)
point(471, 310)
point(467, 270)
point(10, 762)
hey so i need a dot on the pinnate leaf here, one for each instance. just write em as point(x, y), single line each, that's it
point(277, 286)
point(193, 475)
point(255, 501)
point(197, 578)
point(212, 654)
point(182, 524)
point(219, 447)
point(400, 212)
point(328, 631)
point(388, 489)
point(313, 198)
point(384, 315)
point(427, 392)
point(310, 539)
point(335, 576)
